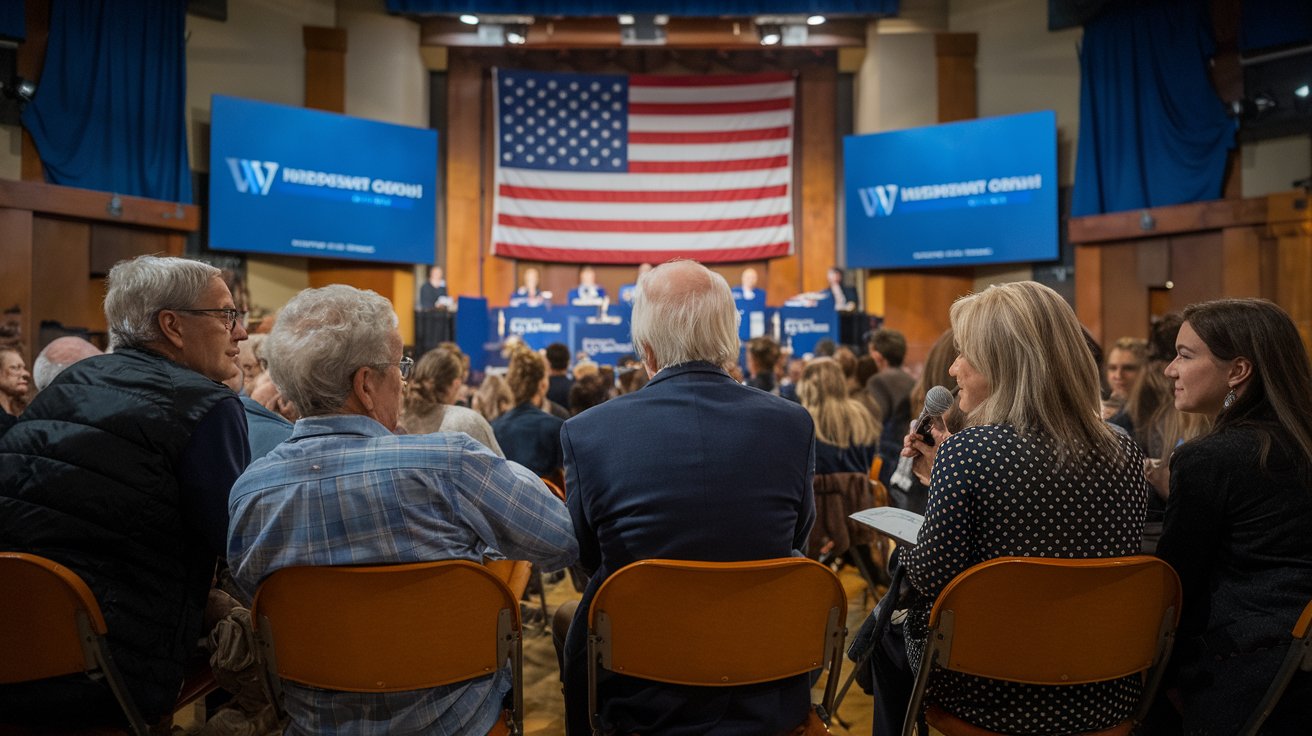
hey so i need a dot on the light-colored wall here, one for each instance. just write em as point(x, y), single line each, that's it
point(1022, 67)
point(896, 86)
point(385, 74)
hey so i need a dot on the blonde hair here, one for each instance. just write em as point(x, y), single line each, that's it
point(527, 369)
point(1024, 339)
point(493, 398)
point(839, 420)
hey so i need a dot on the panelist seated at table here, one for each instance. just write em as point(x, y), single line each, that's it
point(746, 291)
point(628, 291)
point(530, 295)
point(587, 293)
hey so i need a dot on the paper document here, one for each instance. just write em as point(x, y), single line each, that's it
point(902, 525)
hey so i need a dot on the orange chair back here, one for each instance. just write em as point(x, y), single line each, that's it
point(556, 486)
point(46, 606)
point(727, 623)
point(387, 628)
point(1058, 621)
point(1046, 621)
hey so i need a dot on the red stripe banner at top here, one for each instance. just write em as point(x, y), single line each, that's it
point(612, 168)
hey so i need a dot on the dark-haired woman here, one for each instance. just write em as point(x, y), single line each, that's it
point(529, 436)
point(1239, 516)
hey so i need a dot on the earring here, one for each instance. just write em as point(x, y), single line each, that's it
point(1229, 399)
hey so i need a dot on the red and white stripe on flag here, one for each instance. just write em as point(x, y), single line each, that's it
point(627, 169)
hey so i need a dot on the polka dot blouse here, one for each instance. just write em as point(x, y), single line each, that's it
point(995, 493)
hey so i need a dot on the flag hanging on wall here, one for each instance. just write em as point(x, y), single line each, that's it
point(614, 168)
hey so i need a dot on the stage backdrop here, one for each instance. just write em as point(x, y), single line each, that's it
point(613, 168)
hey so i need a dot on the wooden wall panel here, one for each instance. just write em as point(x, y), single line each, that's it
point(955, 56)
point(325, 68)
point(1124, 297)
point(917, 303)
point(64, 258)
point(818, 155)
point(16, 254)
point(464, 175)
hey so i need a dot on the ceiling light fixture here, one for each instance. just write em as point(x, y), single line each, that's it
point(469, 19)
point(815, 20)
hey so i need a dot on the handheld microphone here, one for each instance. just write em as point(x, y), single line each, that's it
point(937, 401)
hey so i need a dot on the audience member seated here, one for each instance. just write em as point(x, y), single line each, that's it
point(493, 398)
point(529, 435)
point(587, 293)
point(587, 392)
point(433, 291)
point(694, 467)
point(346, 491)
point(250, 363)
point(1238, 515)
point(558, 378)
point(14, 381)
point(762, 356)
point(856, 390)
point(529, 295)
point(265, 428)
point(120, 471)
point(628, 291)
point(632, 377)
point(58, 355)
point(1035, 472)
point(846, 442)
point(267, 395)
point(938, 364)
point(430, 401)
point(1124, 365)
point(1150, 417)
point(891, 389)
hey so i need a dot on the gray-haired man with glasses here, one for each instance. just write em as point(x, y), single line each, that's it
point(343, 489)
point(120, 470)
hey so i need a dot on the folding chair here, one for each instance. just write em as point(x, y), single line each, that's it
point(389, 628)
point(51, 625)
point(1051, 622)
point(719, 624)
point(1299, 657)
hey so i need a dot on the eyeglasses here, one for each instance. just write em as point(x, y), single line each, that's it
point(230, 317)
point(407, 366)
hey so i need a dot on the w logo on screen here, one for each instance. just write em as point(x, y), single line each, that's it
point(879, 201)
point(252, 177)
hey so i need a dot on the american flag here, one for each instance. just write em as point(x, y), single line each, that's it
point(613, 168)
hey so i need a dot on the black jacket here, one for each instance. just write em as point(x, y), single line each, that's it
point(88, 479)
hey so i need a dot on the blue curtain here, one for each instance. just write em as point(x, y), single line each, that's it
point(1152, 130)
point(109, 107)
point(668, 7)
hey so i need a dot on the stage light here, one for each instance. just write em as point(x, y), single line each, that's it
point(517, 35)
point(770, 35)
point(1302, 92)
point(469, 20)
point(815, 20)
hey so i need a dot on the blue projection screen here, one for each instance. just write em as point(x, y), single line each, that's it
point(979, 191)
point(303, 182)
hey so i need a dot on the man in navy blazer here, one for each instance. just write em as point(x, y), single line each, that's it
point(697, 467)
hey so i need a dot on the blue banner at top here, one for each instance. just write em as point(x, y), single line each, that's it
point(685, 8)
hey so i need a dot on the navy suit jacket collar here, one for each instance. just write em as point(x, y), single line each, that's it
point(683, 369)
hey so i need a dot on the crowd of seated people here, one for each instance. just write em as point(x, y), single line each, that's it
point(326, 445)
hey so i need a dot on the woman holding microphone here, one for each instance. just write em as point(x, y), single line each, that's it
point(1035, 471)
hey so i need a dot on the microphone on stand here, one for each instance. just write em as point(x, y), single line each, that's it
point(937, 401)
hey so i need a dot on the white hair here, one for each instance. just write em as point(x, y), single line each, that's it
point(58, 355)
point(683, 311)
point(139, 288)
point(321, 338)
